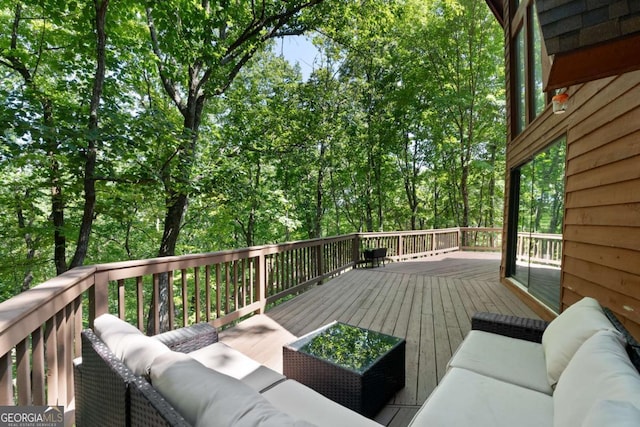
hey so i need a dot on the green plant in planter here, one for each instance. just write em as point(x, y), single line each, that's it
point(349, 346)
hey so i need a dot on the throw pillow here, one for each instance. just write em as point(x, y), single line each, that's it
point(127, 343)
point(600, 370)
point(568, 332)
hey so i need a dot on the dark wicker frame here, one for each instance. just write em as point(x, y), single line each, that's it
point(109, 394)
point(633, 347)
point(509, 326)
point(365, 393)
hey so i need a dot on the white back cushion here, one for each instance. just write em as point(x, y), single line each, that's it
point(107, 326)
point(127, 343)
point(205, 397)
point(566, 333)
point(600, 370)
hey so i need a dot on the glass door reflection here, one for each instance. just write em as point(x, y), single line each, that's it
point(536, 257)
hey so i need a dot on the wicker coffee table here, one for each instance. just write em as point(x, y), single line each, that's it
point(356, 367)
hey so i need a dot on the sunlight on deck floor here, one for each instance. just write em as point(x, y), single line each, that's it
point(429, 302)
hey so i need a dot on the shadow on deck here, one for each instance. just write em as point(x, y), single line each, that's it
point(429, 302)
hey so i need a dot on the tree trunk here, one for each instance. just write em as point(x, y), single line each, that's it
point(320, 192)
point(82, 246)
point(57, 200)
point(176, 183)
point(29, 243)
point(492, 186)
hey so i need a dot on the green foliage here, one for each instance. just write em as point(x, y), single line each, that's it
point(350, 347)
point(400, 125)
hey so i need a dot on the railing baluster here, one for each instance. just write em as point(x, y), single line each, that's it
point(23, 376)
point(243, 273)
point(60, 320)
point(218, 295)
point(196, 291)
point(156, 304)
point(68, 353)
point(236, 296)
point(51, 357)
point(252, 280)
point(77, 326)
point(172, 313)
point(6, 380)
point(38, 367)
point(121, 299)
point(207, 291)
point(140, 302)
point(227, 285)
point(185, 297)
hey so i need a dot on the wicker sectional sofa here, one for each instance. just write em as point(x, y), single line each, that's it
point(579, 370)
point(185, 378)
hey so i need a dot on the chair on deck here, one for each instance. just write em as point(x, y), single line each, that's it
point(374, 256)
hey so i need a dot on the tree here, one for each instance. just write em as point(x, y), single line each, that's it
point(181, 132)
point(200, 48)
point(462, 72)
point(257, 127)
point(32, 52)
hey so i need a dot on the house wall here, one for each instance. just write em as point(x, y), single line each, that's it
point(601, 239)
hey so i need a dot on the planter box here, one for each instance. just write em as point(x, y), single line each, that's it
point(365, 388)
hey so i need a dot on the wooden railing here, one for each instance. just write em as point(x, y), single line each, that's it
point(540, 248)
point(40, 328)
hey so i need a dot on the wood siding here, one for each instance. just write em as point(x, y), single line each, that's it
point(602, 221)
point(601, 239)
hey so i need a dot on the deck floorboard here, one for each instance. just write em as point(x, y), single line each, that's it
point(429, 302)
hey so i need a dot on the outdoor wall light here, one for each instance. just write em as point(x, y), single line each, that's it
point(559, 102)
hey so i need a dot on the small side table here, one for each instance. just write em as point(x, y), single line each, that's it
point(356, 367)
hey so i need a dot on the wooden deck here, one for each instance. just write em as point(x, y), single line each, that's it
point(428, 302)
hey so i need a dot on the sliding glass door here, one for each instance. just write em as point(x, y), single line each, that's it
point(536, 217)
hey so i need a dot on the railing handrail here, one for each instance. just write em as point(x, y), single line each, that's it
point(413, 232)
point(548, 236)
point(24, 312)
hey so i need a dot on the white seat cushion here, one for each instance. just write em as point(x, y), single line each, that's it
point(508, 359)
point(206, 397)
point(229, 361)
point(302, 402)
point(600, 370)
point(466, 398)
point(127, 343)
point(567, 332)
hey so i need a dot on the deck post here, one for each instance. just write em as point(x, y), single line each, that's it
point(99, 296)
point(320, 260)
point(355, 250)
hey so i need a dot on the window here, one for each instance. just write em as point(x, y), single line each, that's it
point(520, 100)
point(535, 224)
point(529, 99)
point(538, 95)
